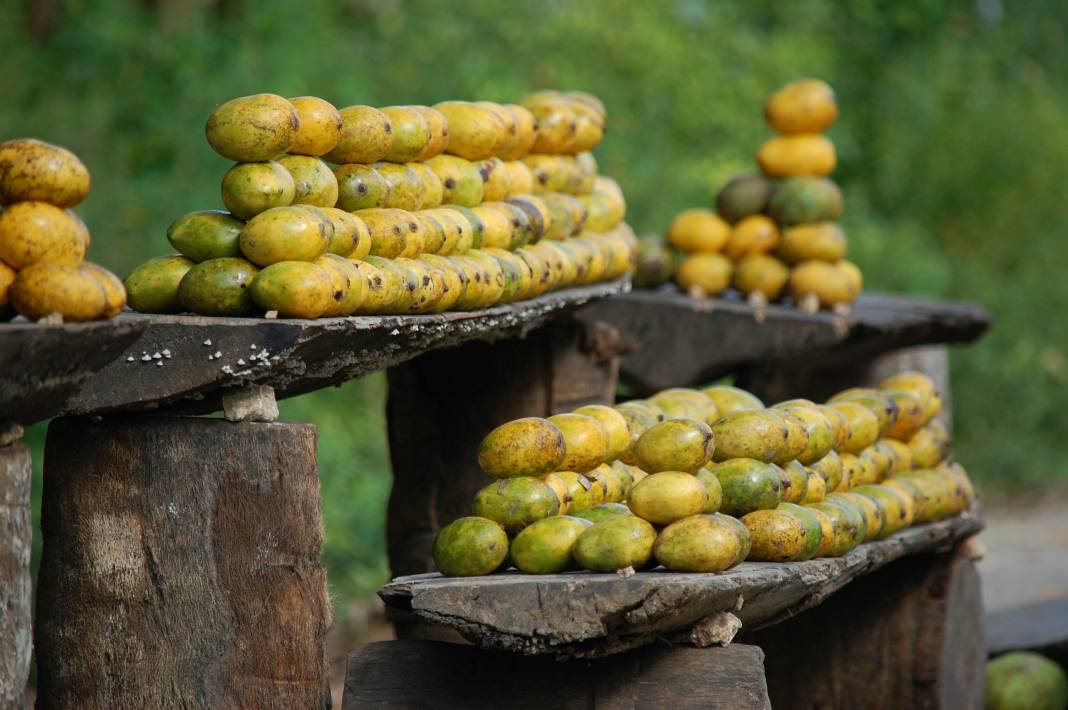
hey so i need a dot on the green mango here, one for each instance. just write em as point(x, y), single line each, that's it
point(469, 547)
point(516, 502)
point(152, 287)
point(208, 234)
point(617, 543)
point(699, 543)
point(748, 485)
point(544, 546)
point(219, 287)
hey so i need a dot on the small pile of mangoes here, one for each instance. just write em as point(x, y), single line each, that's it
point(772, 234)
point(700, 480)
point(459, 206)
point(43, 271)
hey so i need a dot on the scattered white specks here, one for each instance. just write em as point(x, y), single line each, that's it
point(227, 369)
point(156, 356)
point(241, 361)
point(207, 342)
point(252, 347)
point(159, 363)
point(145, 357)
point(211, 357)
point(130, 358)
point(167, 353)
point(172, 510)
point(394, 332)
point(218, 354)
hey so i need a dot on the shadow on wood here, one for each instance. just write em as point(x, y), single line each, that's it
point(181, 566)
point(424, 674)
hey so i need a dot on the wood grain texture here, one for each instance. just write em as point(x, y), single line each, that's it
point(441, 404)
point(675, 340)
point(16, 542)
point(293, 356)
point(396, 675)
point(907, 636)
point(582, 614)
point(181, 566)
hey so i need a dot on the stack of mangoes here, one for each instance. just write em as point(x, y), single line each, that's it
point(459, 206)
point(700, 480)
point(43, 271)
point(772, 234)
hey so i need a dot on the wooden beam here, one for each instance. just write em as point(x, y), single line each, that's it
point(181, 566)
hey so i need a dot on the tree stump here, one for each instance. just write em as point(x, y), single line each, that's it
point(16, 540)
point(907, 636)
point(181, 566)
point(442, 403)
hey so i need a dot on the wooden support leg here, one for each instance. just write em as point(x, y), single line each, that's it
point(181, 566)
point(16, 536)
point(418, 674)
point(907, 636)
point(441, 405)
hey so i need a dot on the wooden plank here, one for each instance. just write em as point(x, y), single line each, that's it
point(907, 636)
point(16, 541)
point(44, 365)
point(199, 358)
point(675, 340)
point(1041, 627)
point(424, 674)
point(181, 566)
point(582, 614)
point(441, 405)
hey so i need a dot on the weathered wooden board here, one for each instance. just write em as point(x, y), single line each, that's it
point(675, 340)
point(910, 635)
point(181, 566)
point(396, 675)
point(185, 362)
point(1041, 626)
point(582, 614)
point(42, 366)
point(16, 540)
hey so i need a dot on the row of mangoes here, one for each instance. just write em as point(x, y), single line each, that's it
point(43, 242)
point(863, 466)
point(258, 128)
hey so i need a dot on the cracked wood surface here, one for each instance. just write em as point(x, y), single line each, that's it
point(675, 340)
point(584, 614)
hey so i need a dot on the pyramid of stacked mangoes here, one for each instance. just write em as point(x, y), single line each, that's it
point(43, 271)
point(772, 234)
point(700, 480)
point(457, 207)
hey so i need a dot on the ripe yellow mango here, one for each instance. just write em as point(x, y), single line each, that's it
point(35, 171)
point(667, 496)
point(619, 542)
point(320, 127)
point(73, 292)
point(253, 129)
point(411, 133)
point(251, 188)
point(732, 399)
point(777, 535)
point(699, 543)
point(819, 241)
point(797, 154)
point(707, 274)
point(805, 106)
point(863, 426)
point(286, 234)
point(585, 441)
point(698, 230)
point(296, 289)
point(366, 136)
point(37, 233)
point(674, 445)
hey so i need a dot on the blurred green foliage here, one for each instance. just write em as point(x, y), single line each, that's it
point(953, 145)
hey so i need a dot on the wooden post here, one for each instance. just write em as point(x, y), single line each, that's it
point(411, 674)
point(181, 566)
point(907, 636)
point(16, 536)
point(442, 403)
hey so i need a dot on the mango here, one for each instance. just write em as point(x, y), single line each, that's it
point(603, 511)
point(253, 129)
point(544, 547)
point(320, 127)
point(540, 269)
point(698, 543)
point(350, 284)
point(432, 190)
point(777, 535)
point(384, 286)
point(36, 233)
point(473, 234)
point(525, 135)
point(1024, 680)
point(616, 543)
point(849, 526)
point(411, 133)
point(313, 181)
point(35, 171)
point(732, 399)
point(560, 488)
point(752, 235)
point(114, 291)
point(611, 480)
point(896, 504)
point(794, 479)
point(585, 441)
point(805, 106)
point(821, 241)
point(814, 527)
point(910, 414)
point(615, 424)
point(802, 200)
point(712, 487)
point(582, 492)
point(516, 502)
point(873, 513)
point(520, 178)
point(797, 154)
point(830, 469)
point(919, 385)
point(953, 469)
point(360, 187)
point(461, 181)
point(824, 281)
point(389, 229)
point(705, 274)
point(286, 234)
point(743, 196)
point(879, 402)
point(405, 186)
point(152, 287)
point(430, 285)
point(863, 426)
point(208, 234)
point(470, 547)
point(251, 188)
point(761, 273)
point(366, 136)
point(674, 445)
point(819, 432)
point(828, 530)
point(698, 230)
point(900, 456)
point(537, 212)
point(684, 403)
point(219, 287)
point(474, 131)
point(853, 472)
point(557, 126)
point(45, 288)
point(667, 496)
point(455, 281)
point(840, 422)
point(877, 464)
point(762, 435)
point(747, 485)
point(296, 289)
point(815, 488)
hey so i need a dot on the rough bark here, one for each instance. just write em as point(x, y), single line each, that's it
point(408, 674)
point(908, 636)
point(16, 541)
point(181, 566)
point(442, 404)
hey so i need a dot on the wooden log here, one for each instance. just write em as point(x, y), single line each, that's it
point(181, 566)
point(908, 636)
point(16, 541)
point(441, 405)
point(410, 674)
point(581, 614)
